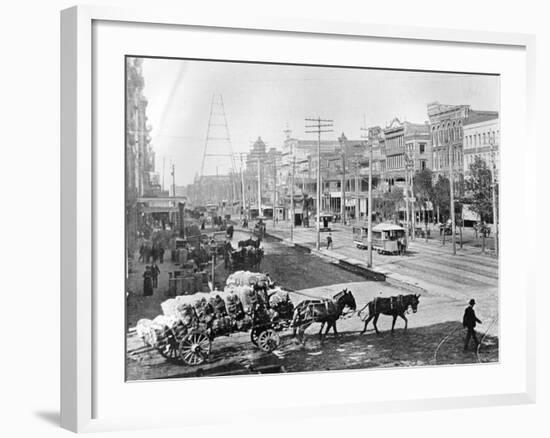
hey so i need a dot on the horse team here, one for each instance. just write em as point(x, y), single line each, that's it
point(327, 311)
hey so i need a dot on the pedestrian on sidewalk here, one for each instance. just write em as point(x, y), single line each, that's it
point(155, 271)
point(161, 254)
point(469, 323)
point(147, 282)
point(154, 253)
point(329, 241)
point(401, 245)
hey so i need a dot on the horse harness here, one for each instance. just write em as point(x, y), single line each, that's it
point(393, 300)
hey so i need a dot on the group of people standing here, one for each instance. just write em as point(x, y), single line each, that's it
point(148, 253)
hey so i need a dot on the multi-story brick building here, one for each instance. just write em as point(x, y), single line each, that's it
point(447, 132)
point(405, 142)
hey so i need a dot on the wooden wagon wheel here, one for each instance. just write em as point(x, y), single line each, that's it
point(195, 347)
point(268, 340)
point(168, 347)
point(254, 336)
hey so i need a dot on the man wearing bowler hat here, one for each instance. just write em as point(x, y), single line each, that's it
point(469, 322)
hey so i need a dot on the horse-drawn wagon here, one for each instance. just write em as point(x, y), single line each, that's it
point(189, 324)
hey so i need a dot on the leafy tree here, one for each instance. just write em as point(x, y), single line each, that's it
point(442, 195)
point(387, 204)
point(307, 204)
point(478, 188)
point(423, 187)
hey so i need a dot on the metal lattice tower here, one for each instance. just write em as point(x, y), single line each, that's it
point(218, 142)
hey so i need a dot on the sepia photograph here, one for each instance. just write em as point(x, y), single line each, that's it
point(286, 218)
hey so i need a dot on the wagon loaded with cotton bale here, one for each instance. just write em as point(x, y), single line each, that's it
point(188, 325)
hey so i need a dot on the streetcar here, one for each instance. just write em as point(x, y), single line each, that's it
point(384, 237)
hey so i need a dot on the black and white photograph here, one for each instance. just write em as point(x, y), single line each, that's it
point(286, 218)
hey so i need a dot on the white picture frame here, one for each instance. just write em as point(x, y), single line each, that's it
point(79, 202)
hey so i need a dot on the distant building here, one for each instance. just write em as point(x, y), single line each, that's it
point(257, 154)
point(480, 134)
point(405, 142)
point(447, 132)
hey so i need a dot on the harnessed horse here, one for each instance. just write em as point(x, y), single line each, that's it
point(393, 306)
point(325, 311)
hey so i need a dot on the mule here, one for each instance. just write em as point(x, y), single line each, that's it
point(325, 311)
point(393, 306)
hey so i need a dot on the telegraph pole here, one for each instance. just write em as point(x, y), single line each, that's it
point(357, 205)
point(343, 182)
point(493, 190)
point(451, 183)
point(260, 213)
point(292, 215)
point(318, 125)
point(369, 205)
point(163, 171)
point(242, 190)
point(173, 173)
point(274, 189)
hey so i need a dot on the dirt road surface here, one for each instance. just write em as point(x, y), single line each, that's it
point(434, 337)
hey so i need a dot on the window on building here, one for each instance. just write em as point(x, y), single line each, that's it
point(422, 148)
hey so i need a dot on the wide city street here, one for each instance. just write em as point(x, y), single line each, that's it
point(434, 336)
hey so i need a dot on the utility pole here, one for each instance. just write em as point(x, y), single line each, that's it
point(343, 182)
point(357, 205)
point(494, 195)
point(260, 213)
point(163, 170)
point(173, 173)
point(369, 202)
point(292, 215)
point(451, 184)
point(409, 166)
point(318, 125)
point(242, 190)
point(274, 189)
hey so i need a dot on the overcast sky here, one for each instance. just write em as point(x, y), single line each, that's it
point(262, 100)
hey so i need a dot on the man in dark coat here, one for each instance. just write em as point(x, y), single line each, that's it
point(161, 254)
point(469, 322)
point(155, 271)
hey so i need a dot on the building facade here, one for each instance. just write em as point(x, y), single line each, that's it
point(447, 131)
point(407, 148)
point(140, 177)
point(481, 139)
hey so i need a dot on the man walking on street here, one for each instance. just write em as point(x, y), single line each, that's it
point(155, 271)
point(329, 241)
point(161, 254)
point(469, 322)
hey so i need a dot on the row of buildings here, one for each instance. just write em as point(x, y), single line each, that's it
point(147, 204)
point(453, 134)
